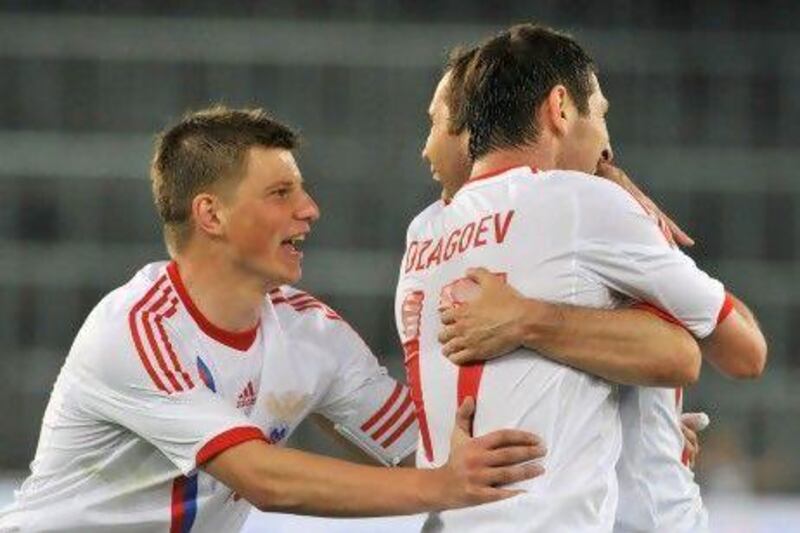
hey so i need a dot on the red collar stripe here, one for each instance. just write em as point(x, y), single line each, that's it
point(238, 340)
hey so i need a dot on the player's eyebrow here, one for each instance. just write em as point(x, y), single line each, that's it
point(284, 183)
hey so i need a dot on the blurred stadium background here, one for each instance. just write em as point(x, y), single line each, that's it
point(705, 115)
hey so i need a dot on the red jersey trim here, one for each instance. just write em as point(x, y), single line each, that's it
point(400, 430)
point(147, 313)
point(383, 409)
point(404, 407)
point(238, 340)
point(727, 307)
point(650, 308)
point(303, 301)
point(228, 439)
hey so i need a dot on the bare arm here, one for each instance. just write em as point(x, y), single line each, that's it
point(626, 346)
point(279, 479)
point(737, 347)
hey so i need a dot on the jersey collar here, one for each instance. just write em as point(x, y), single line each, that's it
point(238, 340)
point(492, 174)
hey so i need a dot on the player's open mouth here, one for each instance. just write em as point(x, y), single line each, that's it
point(295, 243)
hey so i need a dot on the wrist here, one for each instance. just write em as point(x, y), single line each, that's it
point(539, 323)
point(431, 488)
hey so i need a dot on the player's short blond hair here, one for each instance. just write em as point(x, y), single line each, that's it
point(206, 150)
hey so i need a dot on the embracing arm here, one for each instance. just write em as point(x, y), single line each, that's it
point(278, 479)
point(737, 347)
point(628, 346)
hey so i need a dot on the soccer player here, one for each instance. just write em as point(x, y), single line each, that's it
point(532, 99)
point(179, 385)
point(656, 438)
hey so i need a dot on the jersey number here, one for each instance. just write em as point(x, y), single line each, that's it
point(469, 376)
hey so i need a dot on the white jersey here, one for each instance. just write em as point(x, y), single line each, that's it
point(151, 390)
point(657, 488)
point(559, 236)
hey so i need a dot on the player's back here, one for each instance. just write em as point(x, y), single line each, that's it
point(521, 225)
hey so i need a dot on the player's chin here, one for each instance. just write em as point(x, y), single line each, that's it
point(290, 274)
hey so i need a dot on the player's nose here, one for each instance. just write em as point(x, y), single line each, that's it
point(309, 210)
point(607, 155)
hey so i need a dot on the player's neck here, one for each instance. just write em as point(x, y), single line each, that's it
point(531, 156)
point(226, 297)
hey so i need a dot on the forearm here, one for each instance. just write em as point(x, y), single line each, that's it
point(737, 347)
point(627, 346)
point(309, 484)
point(286, 480)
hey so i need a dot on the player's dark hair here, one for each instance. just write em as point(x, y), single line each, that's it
point(457, 65)
point(206, 149)
point(509, 78)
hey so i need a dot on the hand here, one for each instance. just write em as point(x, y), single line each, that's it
point(485, 326)
point(477, 466)
point(669, 228)
point(691, 425)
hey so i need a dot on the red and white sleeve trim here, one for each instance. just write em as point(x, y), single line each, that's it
point(727, 307)
point(228, 439)
point(302, 301)
point(394, 417)
point(151, 339)
point(644, 306)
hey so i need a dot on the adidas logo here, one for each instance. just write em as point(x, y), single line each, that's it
point(247, 397)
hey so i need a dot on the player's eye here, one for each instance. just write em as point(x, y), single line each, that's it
point(282, 192)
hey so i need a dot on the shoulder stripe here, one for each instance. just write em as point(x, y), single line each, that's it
point(144, 319)
point(147, 320)
point(137, 341)
point(176, 364)
point(303, 301)
point(299, 296)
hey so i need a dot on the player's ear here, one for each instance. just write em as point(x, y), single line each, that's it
point(557, 109)
point(208, 213)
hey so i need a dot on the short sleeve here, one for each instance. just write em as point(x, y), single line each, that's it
point(189, 426)
point(366, 405)
point(620, 246)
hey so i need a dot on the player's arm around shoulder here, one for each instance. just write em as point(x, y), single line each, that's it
point(628, 346)
point(655, 271)
point(278, 479)
point(737, 346)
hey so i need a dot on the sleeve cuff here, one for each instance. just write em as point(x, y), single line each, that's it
point(727, 307)
point(659, 313)
point(228, 439)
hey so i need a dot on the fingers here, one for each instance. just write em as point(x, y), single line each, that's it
point(479, 275)
point(512, 474)
point(689, 436)
point(508, 437)
point(465, 357)
point(512, 455)
point(464, 415)
point(491, 494)
point(695, 421)
point(681, 237)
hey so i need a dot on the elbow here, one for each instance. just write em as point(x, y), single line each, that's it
point(270, 493)
point(687, 367)
point(678, 368)
point(751, 362)
point(269, 498)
